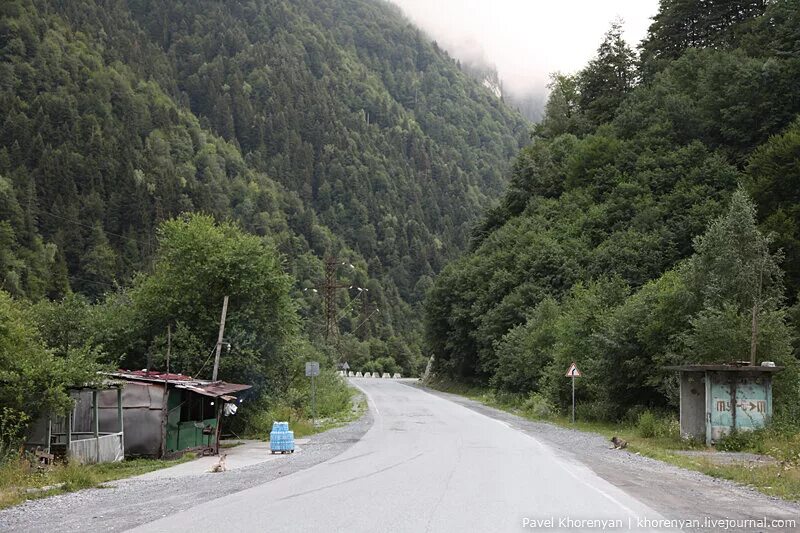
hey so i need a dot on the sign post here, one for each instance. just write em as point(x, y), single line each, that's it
point(573, 372)
point(312, 370)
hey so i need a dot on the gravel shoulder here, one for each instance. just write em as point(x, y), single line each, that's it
point(674, 492)
point(131, 502)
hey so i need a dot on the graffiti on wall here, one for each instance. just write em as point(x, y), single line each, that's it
point(757, 406)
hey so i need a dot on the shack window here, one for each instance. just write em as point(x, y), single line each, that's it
point(197, 407)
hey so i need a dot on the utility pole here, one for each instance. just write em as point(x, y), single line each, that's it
point(365, 313)
point(329, 293)
point(169, 344)
point(219, 339)
point(756, 309)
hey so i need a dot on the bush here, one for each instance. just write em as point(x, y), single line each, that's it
point(650, 425)
point(597, 411)
point(647, 425)
point(12, 433)
point(538, 406)
point(631, 416)
point(510, 400)
point(333, 399)
point(259, 420)
point(737, 441)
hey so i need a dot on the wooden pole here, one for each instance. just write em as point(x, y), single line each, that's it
point(164, 419)
point(219, 338)
point(96, 421)
point(217, 430)
point(49, 431)
point(754, 326)
point(120, 418)
point(754, 335)
point(169, 344)
point(69, 432)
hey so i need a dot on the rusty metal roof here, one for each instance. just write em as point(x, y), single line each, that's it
point(215, 389)
point(154, 375)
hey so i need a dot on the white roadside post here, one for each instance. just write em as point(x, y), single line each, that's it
point(573, 372)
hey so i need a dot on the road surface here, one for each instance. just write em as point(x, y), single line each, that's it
point(427, 464)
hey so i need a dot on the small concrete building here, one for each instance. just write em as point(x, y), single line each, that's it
point(717, 399)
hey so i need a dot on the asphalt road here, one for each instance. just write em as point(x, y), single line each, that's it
point(427, 464)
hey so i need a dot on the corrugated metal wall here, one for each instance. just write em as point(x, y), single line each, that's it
point(142, 408)
point(85, 450)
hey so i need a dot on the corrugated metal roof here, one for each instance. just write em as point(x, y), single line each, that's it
point(214, 389)
point(154, 375)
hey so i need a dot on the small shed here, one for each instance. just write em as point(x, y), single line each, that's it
point(716, 399)
point(93, 430)
point(167, 414)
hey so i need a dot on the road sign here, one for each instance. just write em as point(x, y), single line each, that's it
point(573, 372)
point(312, 368)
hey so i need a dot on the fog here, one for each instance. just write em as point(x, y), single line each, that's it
point(527, 39)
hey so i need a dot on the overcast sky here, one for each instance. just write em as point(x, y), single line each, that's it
point(527, 39)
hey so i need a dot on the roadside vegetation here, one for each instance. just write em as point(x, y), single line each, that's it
point(651, 222)
point(49, 345)
point(23, 479)
point(656, 434)
point(336, 404)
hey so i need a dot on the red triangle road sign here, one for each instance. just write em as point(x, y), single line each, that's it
point(573, 372)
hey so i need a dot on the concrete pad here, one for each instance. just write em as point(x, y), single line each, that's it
point(252, 452)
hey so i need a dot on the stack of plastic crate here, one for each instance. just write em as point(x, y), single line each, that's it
point(280, 438)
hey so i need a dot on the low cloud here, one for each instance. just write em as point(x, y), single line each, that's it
point(527, 39)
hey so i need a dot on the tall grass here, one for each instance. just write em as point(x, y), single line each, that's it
point(333, 403)
point(18, 474)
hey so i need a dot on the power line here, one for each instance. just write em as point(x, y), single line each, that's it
point(73, 278)
point(72, 220)
point(365, 320)
point(344, 311)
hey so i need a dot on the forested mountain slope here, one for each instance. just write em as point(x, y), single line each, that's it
point(329, 127)
point(619, 244)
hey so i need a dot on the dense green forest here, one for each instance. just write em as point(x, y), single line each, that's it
point(290, 131)
point(334, 129)
point(652, 220)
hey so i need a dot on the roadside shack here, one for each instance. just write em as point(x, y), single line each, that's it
point(717, 399)
point(92, 432)
point(167, 414)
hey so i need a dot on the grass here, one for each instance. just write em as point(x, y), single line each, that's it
point(340, 406)
point(659, 438)
point(17, 475)
point(356, 406)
